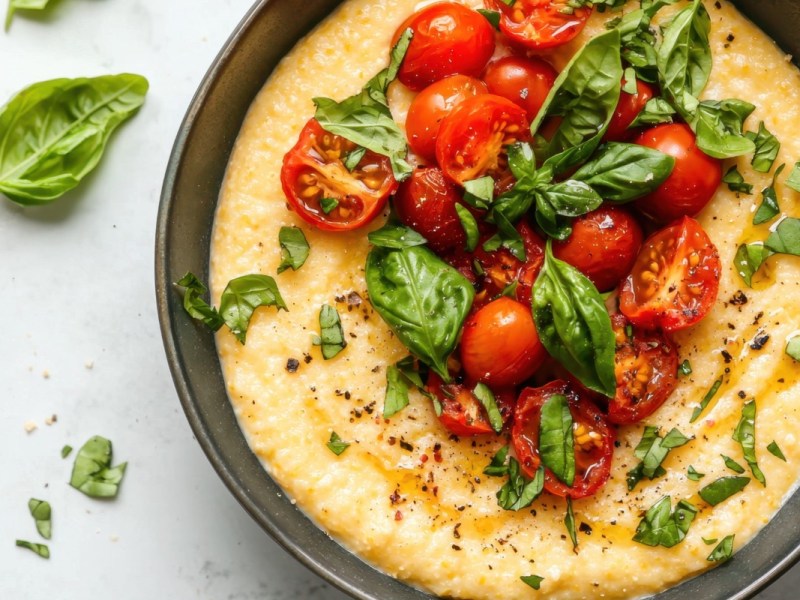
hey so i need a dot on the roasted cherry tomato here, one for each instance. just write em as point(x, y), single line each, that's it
point(313, 171)
point(432, 105)
point(426, 202)
point(603, 245)
point(539, 24)
point(473, 137)
point(693, 181)
point(646, 366)
point(499, 344)
point(462, 413)
point(593, 440)
point(628, 108)
point(449, 38)
point(524, 81)
point(675, 278)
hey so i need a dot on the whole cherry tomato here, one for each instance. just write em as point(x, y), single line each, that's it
point(539, 24)
point(593, 440)
point(323, 191)
point(524, 81)
point(675, 279)
point(462, 413)
point(628, 108)
point(603, 245)
point(432, 105)
point(499, 344)
point(448, 38)
point(693, 181)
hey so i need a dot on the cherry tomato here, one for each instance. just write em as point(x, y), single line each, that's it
point(539, 24)
point(432, 105)
point(593, 440)
point(499, 344)
point(449, 38)
point(524, 81)
point(462, 413)
point(473, 137)
point(628, 108)
point(426, 202)
point(313, 171)
point(646, 366)
point(675, 278)
point(603, 245)
point(693, 181)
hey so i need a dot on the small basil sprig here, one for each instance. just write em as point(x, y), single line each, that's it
point(663, 527)
point(556, 440)
point(92, 472)
point(573, 324)
point(422, 299)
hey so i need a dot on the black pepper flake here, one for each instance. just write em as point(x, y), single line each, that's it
point(347, 395)
point(717, 4)
point(738, 299)
point(307, 358)
point(759, 341)
point(292, 365)
point(585, 528)
point(727, 356)
point(730, 37)
point(406, 446)
point(742, 395)
point(456, 548)
point(353, 299)
point(456, 534)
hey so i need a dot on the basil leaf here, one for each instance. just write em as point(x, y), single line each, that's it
point(793, 347)
point(14, 5)
point(396, 398)
point(40, 549)
point(736, 182)
point(498, 467)
point(195, 306)
point(767, 148)
point(745, 434)
point(685, 368)
point(749, 258)
point(723, 488)
point(519, 492)
point(723, 551)
point(775, 450)
point(556, 440)
point(786, 237)
point(570, 198)
point(66, 451)
point(661, 527)
point(693, 474)
point(569, 522)
point(92, 472)
point(629, 81)
point(573, 324)
point(53, 133)
point(328, 204)
point(336, 444)
point(732, 464)
point(294, 248)
point(470, 226)
point(553, 224)
point(422, 299)
point(585, 96)
point(42, 513)
point(492, 16)
point(394, 235)
point(768, 209)
point(354, 157)
point(652, 450)
point(624, 172)
point(655, 112)
point(242, 296)
point(793, 181)
point(718, 126)
point(706, 400)
point(506, 236)
point(533, 581)
point(487, 400)
point(330, 332)
point(638, 38)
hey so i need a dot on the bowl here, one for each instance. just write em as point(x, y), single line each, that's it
point(188, 202)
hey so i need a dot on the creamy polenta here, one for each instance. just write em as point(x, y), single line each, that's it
point(413, 500)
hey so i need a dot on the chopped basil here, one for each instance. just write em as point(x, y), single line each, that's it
point(769, 208)
point(330, 332)
point(736, 182)
point(749, 258)
point(786, 237)
point(479, 193)
point(706, 400)
point(655, 112)
point(487, 400)
point(506, 236)
point(556, 440)
point(793, 181)
point(723, 551)
point(693, 474)
point(557, 202)
point(43, 515)
point(336, 444)
point(510, 291)
point(732, 464)
point(775, 450)
point(629, 81)
point(685, 368)
point(663, 527)
point(519, 492)
point(92, 472)
point(639, 39)
point(498, 466)
point(723, 488)
point(394, 235)
point(492, 16)
point(242, 296)
point(66, 451)
point(569, 523)
point(328, 205)
point(767, 148)
point(651, 450)
point(40, 549)
point(470, 226)
point(718, 125)
point(195, 306)
point(354, 157)
point(745, 434)
point(294, 248)
point(533, 581)
point(709, 541)
point(396, 398)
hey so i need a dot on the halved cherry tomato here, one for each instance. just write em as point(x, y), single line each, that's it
point(628, 108)
point(462, 413)
point(593, 440)
point(539, 24)
point(499, 344)
point(473, 137)
point(314, 170)
point(675, 279)
point(693, 181)
point(646, 366)
point(603, 245)
point(449, 38)
point(432, 105)
point(524, 81)
point(426, 202)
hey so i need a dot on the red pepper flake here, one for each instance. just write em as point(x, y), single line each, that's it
point(423, 458)
point(398, 516)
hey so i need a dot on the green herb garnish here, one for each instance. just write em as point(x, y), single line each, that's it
point(331, 334)
point(775, 450)
point(723, 551)
point(732, 464)
point(533, 581)
point(663, 527)
point(519, 491)
point(487, 400)
point(556, 440)
point(92, 472)
point(736, 182)
point(706, 400)
point(43, 515)
point(693, 474)
point(745, 434)
point(294, 248)
point(40, 549)
point(336, 444)
point(723, 488)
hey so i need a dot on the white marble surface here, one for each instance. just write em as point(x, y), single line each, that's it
point(81, 341)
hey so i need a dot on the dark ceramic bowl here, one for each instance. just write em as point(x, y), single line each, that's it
point(189, 198)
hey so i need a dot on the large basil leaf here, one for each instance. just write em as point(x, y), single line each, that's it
point(663, 527)
point(573, 324)
point(423, 300)
point(53, 133)
point(556, 441)
point(585, 96)
point(14, 5)
point(718, 126)
point(624, 172)
point(242, 296)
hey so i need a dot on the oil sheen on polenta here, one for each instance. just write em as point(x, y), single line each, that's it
point(406, 497)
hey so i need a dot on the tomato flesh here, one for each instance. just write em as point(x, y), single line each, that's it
point(675, 279)
point(628, 108)
point(462, 413)
point(539, 24)
point(593, 440)
point(524, 81)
